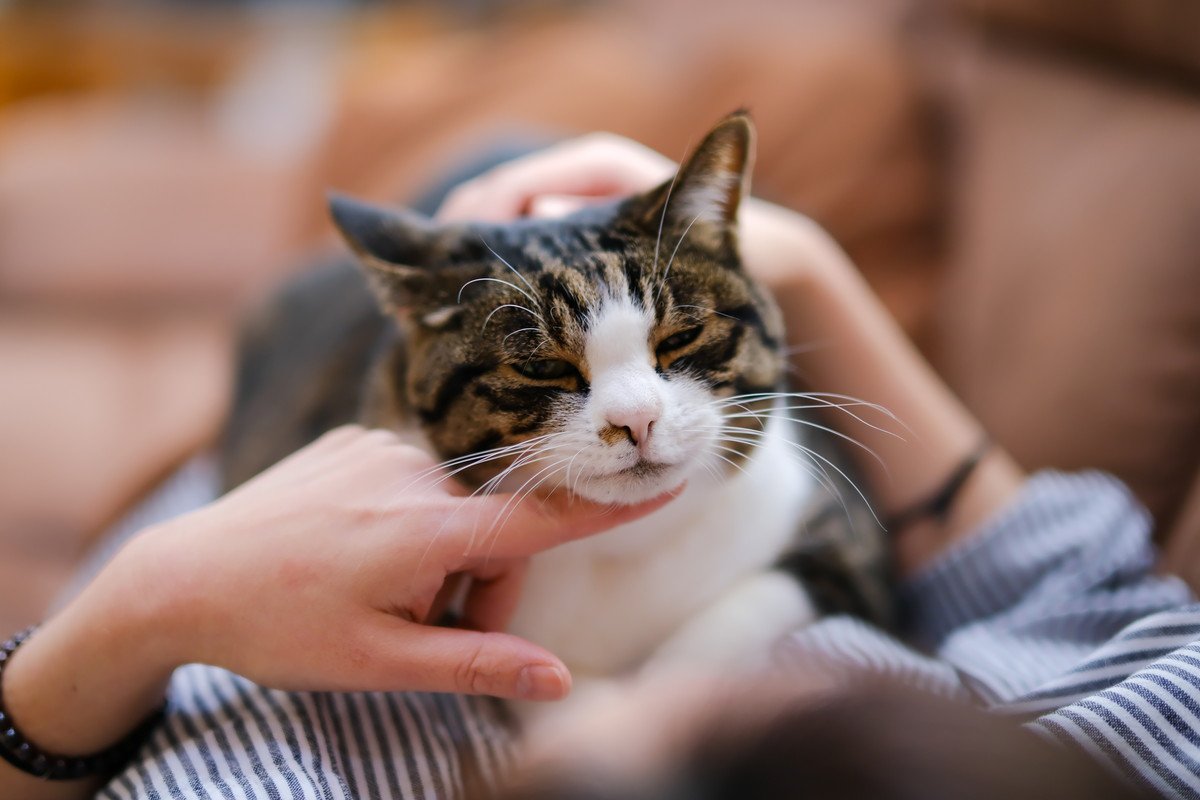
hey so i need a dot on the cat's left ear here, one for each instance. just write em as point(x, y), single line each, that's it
point(704, 196)
point(394, 246)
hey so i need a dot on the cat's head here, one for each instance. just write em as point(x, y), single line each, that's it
point(607, 344)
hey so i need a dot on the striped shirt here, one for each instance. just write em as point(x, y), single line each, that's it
point(1051, 612)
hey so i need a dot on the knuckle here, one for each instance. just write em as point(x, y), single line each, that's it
point(472, 675)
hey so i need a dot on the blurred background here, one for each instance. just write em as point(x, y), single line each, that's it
point(1019, 179)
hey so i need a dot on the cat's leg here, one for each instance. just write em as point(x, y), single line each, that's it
point(740, 628)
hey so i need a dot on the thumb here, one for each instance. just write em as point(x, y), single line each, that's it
point(429, 659)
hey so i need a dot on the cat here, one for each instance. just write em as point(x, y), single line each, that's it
point(618, 353)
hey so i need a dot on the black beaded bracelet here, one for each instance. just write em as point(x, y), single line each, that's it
point(937, 506)
point(28, 757)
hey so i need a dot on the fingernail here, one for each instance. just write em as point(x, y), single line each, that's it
point(541, 682)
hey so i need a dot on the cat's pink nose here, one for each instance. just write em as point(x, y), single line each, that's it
point(635, 424)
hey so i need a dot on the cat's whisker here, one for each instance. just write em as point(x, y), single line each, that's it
point(811, 467)
point(818, 472)
point(520, 330)
point(821, 397)
point(818, 397)
point(662, 219)
point(570, 464)
point(532, 456)
point(481, 490)
point(731, 463)
point(808, 451)
point(495, 483)
point(825, 400)
point(469, 460)
point(663, 280)
point(546, 474)
point(504, 261)
point(502, 282)
point(767, 415)
point(731, 434)
point(707, 310)
point(799, 407)
point(711, 470)
point(529, 452)
point(518, 307)
point(510, 506)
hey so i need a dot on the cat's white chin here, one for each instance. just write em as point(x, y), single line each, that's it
point(626, 488)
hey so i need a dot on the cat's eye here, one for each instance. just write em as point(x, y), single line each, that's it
point(678, 340)
point(547, 369)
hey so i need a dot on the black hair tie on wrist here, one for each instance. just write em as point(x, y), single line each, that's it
point(29, 758)
point(937, 506)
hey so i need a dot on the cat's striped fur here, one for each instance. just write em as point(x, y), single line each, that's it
point(616, 352)
point(480, 302)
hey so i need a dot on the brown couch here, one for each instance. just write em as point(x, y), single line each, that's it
point(1019, 184)
point(1070, 317)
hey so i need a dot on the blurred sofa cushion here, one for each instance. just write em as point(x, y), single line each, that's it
point(1071, 322)
point(108, 201)
point(1162, 33)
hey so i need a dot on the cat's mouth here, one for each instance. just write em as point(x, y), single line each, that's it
point(646, 469)
point(633, 484)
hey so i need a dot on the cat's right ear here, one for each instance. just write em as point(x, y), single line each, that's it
point(393, 245)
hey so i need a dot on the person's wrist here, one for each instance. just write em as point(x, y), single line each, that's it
point(97, 668)
point(131, 613)
point(154, 600)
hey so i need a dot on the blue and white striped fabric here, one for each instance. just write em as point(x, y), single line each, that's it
point(225, 737)
point(1051, 612)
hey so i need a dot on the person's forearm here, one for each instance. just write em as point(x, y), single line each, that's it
point(86, 678)
point(847, 343)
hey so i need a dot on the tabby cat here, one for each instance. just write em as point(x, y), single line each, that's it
point(617, 353)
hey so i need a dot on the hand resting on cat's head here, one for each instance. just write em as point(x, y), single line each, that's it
point(558, 180)
point(778, 246)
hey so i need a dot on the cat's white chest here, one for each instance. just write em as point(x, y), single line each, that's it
point(605, 604)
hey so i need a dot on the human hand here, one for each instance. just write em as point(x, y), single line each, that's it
point(321, 574)
point(558, 180)
point(784, 249)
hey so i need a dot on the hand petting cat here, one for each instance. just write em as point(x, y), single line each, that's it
point(598, 167)
point(558, 180)
point(319, 574)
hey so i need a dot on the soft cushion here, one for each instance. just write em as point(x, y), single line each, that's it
point(1071, 322)
point(1152, 33)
